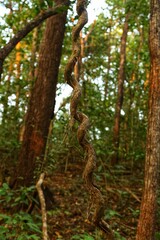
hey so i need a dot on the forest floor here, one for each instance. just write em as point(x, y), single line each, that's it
point(68, 218)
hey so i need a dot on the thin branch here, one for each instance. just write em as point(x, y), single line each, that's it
point(43, 206)
point(4, 52)
point(133, 194)
point(90, 31)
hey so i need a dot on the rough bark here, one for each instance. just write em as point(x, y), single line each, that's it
point(147, 219)
point(5, 51)
point(34, 50)
point(41, 106)
point(31, 74)
point(121, 76)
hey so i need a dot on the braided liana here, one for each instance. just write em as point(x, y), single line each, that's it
point(97, 201)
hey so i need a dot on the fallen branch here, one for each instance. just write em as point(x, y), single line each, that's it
point(43, 206)
point(132, 194)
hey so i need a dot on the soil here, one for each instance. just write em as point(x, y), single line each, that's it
point(68, 218)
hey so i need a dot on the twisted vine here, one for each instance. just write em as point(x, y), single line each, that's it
point(97, 201)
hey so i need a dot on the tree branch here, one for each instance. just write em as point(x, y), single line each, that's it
point(43, 206)
point(4, 52)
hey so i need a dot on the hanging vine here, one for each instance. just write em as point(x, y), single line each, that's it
point(97, 201)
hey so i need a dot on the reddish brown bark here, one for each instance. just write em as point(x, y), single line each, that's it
point(121, 76)
point(147, 219)
point(42, 100)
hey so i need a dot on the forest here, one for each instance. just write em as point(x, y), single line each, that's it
point(79, 120)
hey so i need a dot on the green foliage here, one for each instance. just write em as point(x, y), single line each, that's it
point(118, 236)
point(15, 197)
point(84, 236)
point(157, 236)
point(99, 90)
point(111, 213)
point(19, 225)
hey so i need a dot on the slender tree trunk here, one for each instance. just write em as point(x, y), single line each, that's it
point(109, 65)
point(83, 42)
point(18, 73)
point(78, 68)
point(109, 57)
point(42, 100)
point(129, 137)
point(121, 76)
point(147, 220)
point(8, 86)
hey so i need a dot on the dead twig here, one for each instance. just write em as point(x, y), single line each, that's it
point(43, 206)
point(132, 194)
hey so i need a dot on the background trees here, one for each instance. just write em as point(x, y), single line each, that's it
point(22, 82)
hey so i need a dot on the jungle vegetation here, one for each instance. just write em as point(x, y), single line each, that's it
point(110, 121)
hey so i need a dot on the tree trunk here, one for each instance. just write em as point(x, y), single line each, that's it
point(121, 76)
point(35, 47)
point(32, 73)
point(147, 219)
point(42, 102)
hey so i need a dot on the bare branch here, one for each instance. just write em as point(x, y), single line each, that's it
point(43, 206)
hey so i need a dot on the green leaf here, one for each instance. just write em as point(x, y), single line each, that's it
point(4, 217)
point(157, 236)
point(34, 237)
point(33, 227)
point(3, 230)
point(87, 237)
